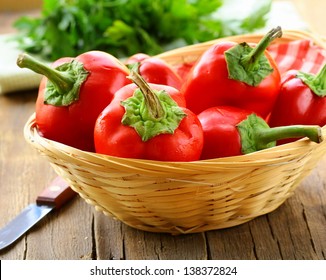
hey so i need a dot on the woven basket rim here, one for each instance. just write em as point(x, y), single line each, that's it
point(32, 135)
point(190, 53)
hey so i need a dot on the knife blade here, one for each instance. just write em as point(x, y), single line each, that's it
point(54, 196)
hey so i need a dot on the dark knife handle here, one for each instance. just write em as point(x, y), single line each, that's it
point(56, 194)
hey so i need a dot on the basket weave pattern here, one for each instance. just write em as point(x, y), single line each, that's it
point(185, 197)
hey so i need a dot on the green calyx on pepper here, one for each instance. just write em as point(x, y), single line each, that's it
point(64, 81)
point(317, 83)
point(256, 135)
point(150, 112)
point(134, 66)
point(248, 64)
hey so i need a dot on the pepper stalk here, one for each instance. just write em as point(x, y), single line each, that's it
point(316, 83)
point(248, 64)
point(152, 102)
point(150, 112)
point(256, 135)
point(64, 81)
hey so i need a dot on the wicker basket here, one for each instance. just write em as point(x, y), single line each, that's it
point(185, 197)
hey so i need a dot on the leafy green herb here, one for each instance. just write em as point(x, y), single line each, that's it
point(125, 27)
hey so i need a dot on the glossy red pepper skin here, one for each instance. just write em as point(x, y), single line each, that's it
point(73, 125)
point(115, 139)
point(155, 70)
point(184, 69)
point(297, 104)
point(221, 136)
point(209, 85)
point(230, 131)
point(137, 57)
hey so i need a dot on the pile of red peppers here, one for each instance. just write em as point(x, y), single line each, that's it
point(232, 101)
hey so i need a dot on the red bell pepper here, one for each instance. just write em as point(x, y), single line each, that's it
point(184, 69)
point(146, 121)
point(302, 100)
point(154, 70)
point(230, 131)
point(72, 94)
point(238, 75)
point(138, 57)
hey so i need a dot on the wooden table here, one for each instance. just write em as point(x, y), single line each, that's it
point(296, 230)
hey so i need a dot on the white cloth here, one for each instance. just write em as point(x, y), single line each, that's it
point(13, 78)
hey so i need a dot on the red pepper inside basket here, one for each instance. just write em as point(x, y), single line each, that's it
point(230, 131)
point(230, 74)
point(154, 70)
point(148, 121)
point(72, 94)
point(302, 100)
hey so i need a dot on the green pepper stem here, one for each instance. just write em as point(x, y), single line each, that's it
point(153, 104)
point(320, 78)
point(268, 135)
point(256, 135)
point(62, 81)
point(249, 61)
point(316, 83)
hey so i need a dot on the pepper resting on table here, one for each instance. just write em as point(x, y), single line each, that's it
point(239, 75)
point(72, 94)
point(148, 121)
point(230, 131)
point(302, 100)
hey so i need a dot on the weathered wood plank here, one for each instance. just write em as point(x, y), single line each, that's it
point(15, 168)
point(313, 197)
point(64, 235)
point(299, 224)
point(231, 243)
point(108, 238)
point(291, 232)
point(161, 246)
point(265, 244)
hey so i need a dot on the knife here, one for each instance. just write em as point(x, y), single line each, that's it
point(53, 197)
